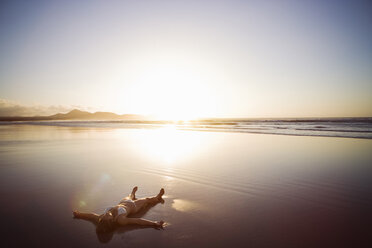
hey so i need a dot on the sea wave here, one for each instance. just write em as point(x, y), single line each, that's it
point(327, 127)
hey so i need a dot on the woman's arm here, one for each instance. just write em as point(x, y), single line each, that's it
point(93, 217)
point(141, 222)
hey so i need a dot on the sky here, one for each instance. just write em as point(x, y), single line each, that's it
point(187, 59)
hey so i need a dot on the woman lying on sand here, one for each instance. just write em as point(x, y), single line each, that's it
point(119, 214)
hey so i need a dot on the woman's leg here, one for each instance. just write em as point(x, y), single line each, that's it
point(131, 196)
point(142, 203)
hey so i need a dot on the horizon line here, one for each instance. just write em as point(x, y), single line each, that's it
point(153, 117)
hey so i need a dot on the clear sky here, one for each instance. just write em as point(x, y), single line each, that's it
point(185, 59)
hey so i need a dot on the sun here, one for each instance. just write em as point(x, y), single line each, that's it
point(170, 90)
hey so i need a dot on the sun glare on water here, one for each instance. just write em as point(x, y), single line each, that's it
point(168, 145)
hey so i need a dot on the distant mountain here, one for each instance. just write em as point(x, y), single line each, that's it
point(73, 114)
point(77, 115)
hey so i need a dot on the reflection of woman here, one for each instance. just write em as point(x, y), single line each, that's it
point(118, 215)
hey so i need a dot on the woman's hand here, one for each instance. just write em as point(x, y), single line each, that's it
point(76, 214)
point(160, 224)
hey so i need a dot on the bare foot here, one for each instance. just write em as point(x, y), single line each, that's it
point(133, 194)
point(161, 193)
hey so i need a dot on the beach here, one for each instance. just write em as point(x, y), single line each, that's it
point(223, 189)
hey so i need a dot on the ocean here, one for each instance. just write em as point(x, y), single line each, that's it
point(326, 127)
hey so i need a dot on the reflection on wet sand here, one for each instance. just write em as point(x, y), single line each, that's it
point(265, 190)
point(184, 205)
point(167, 145)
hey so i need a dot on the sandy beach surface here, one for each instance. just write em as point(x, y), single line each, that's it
point(222, 189)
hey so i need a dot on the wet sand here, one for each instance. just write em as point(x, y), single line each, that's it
point(222, 189)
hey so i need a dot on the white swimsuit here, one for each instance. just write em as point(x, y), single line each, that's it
point(121, 210)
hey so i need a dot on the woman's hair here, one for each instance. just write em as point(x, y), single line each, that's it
point(104, 225)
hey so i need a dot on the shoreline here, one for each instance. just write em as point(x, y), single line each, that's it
point(275, 130)
point(263, 190)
